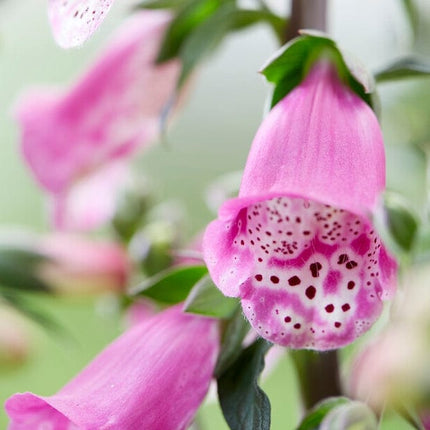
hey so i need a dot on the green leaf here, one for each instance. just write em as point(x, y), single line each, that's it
point(172, 285)
point(243, 402)
point(28, 309)
point(408, 67)
point(289, 66)
point(18, 269)
point(235, 331)
point(412, 14)
point(189, 17)
point(206, 299)
point(315, 416)
point(402, 223)
point(352, 415)
point(205, 39)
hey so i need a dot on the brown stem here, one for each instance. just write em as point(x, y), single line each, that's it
point(309, 14)
point(318, 374)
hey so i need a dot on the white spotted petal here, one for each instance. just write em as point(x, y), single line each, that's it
point(73, 21)
point(297, 245)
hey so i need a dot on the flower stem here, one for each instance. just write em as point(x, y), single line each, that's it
point(318, 374)
point(309, 14)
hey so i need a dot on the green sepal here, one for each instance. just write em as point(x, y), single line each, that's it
point(352, 415)
point(170, 286)
point(290, 65)
point(206, 299)
point(315, 416)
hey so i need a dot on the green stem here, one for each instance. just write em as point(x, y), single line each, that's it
point(318, 374)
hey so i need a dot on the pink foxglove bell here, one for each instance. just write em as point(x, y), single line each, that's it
point(154, 376)
point(74, 21)
point(78, 142)
point(297, 245)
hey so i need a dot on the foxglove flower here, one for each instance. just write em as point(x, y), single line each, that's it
point(74, 21)
point(154, 376)
point(78, 265)
point(78, 142)
point(297, 245)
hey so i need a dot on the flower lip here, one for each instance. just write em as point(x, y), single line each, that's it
point(309, 275)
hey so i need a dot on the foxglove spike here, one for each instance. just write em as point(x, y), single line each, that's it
point(78, 142)
point(74, 21)
point(297, 245)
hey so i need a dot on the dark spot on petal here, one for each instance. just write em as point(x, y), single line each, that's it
point(351, 264)
point(337, 324)
point(259, 277)
point(297, 326)
point(274, 279)
point(310, 292)
point(329, 308)
point(287, 319)
point(294, 280)
point(315, 268)
point(346, 307)
point(351, 285)
point(343, 258)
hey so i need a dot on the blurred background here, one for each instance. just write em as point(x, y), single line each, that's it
point(210, 136)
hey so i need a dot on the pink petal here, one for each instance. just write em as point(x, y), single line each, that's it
point(296, 245)
point(92, 201)
point(74, 21)
point(154, 376)
point(322, 142)
point(108, 115)
point(78, 265)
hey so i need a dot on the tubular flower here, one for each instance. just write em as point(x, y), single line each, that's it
point(78, 142)
point(297, 245)
point(154, 376)
point(74, 21)
point(77, 265)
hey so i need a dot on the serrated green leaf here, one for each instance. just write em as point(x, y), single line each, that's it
point(189, 17)
point(315, 416)
point(235, 331)
point(18, 269)
point(352, 415)
point(408, 67)
point(172, 285)
point(288, 67)
point(243, 403)
point(206, 299)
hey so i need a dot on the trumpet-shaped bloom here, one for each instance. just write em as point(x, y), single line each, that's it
point(74, 21)
point(297, 245)
point(153, 377)
point(78, 142)
point(78, 265)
